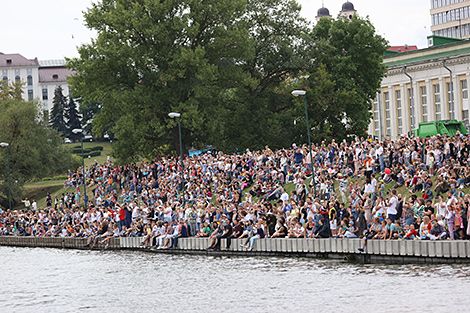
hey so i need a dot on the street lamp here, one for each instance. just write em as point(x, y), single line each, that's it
point(5, 144)
point(76, 131)
point(297, 93)
point(178, 115)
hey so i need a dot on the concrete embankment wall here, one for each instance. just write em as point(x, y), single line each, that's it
point(377, 251)
point(51, 242)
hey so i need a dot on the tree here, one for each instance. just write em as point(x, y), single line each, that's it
point(36, 150)
point(11, 90)
point(252, 103)
point(216, 62)
point(73, 119)
point(327, 106)
point(58, 112)
point(88, 110)
point(351, 53)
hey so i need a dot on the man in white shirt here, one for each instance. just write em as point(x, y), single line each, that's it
point(312, 208)
point(392, 206)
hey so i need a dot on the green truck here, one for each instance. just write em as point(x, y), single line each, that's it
point(449, 127)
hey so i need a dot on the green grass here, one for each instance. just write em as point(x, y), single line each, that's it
point(38, 191)
point(107, 149)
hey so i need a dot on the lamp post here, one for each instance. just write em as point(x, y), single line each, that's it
point(297, 93)
point(76, 131)
point(5, 144)
point(178, 115)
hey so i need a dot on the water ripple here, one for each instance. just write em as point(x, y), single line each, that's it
point(36, 279)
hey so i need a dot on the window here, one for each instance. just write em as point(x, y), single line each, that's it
point(388, 119)
point(30, 95)
point(463, 87)
point(399, 112)
point(376, 117)
point(5, 80)
point(450, 96)
point(44, 93)
point(17, 79)
point(437, 101)
point(465, 118)
point(424, 103)
point(30, 80)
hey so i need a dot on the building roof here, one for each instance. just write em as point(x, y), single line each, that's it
point(17, 60)
point(404, 48)
point(54, 74)
point(347, 6)
point(428, 54)
point(52, 62)
point(323, 12)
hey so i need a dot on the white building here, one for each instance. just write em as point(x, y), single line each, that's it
point(450, 18)
point(434, 97)
point(41, 77)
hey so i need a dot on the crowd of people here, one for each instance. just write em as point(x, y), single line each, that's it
point(411, 188)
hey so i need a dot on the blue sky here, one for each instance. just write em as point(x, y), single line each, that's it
point(52, 29)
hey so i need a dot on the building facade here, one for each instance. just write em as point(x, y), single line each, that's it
point(422, 86)
point(41, 77)
point(450, 18)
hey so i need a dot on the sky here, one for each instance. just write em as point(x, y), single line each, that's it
point(53, 29)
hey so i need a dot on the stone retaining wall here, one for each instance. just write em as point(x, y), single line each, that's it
point(377, 251)
point(52, 242)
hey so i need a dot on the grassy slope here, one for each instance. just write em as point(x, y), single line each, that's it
point(107, 148)
point(39, 190)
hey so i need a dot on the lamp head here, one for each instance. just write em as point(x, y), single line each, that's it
point(174, 114)
point(297, 93)
point(4, 144)
point(77, 130)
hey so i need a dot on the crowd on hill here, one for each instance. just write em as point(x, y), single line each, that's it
point(411, 188)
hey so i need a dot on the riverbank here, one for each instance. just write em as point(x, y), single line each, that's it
point(377, 251)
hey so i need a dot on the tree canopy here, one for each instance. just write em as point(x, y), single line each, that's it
point(72, 117)
point(351, 53)
point(59, 110)
point(227, 66)
point(36, 150)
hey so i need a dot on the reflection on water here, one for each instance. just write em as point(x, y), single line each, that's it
point(123, 281)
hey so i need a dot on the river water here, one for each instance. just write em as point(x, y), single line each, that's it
point(55, 280)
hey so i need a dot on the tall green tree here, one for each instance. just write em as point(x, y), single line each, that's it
point(72, 117)
point(252, 104)
point(88, 110)
point(36, 150)
point(218, 63)
point(327, 105)
point(351, 53)
point(58, 121)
